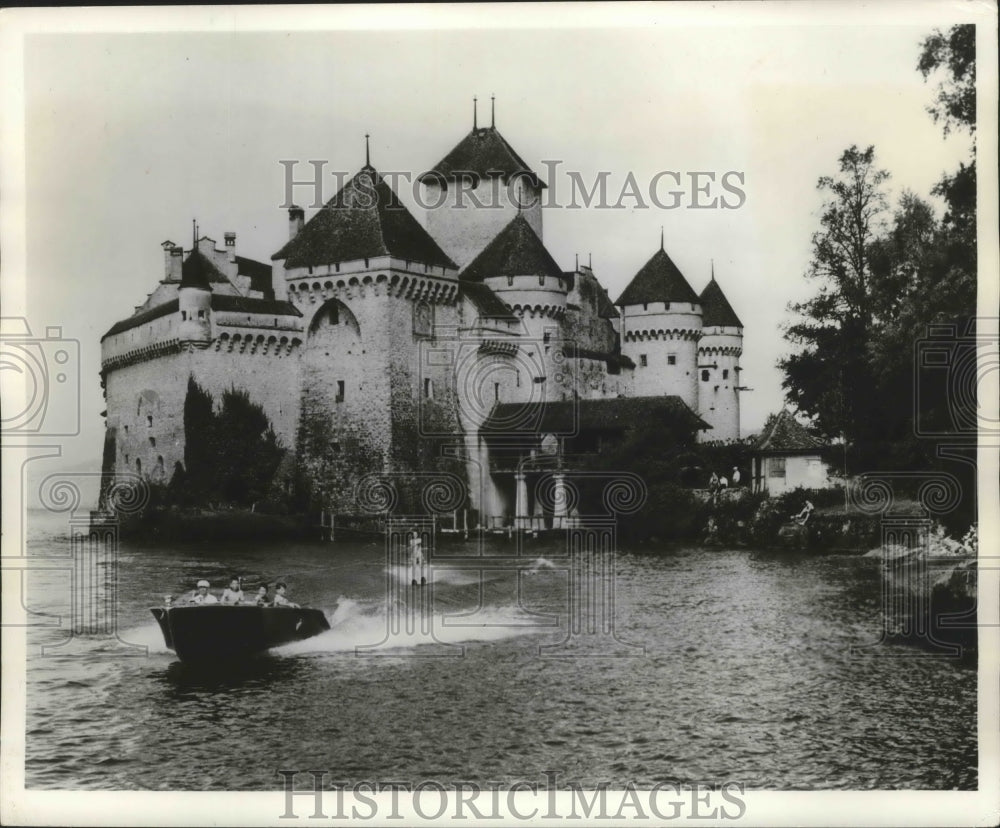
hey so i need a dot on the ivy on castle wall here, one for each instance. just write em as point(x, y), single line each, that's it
point(230, 456)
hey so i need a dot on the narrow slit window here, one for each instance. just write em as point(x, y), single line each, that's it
point(340, 390)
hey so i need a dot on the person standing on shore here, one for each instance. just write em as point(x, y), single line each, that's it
point(735, 477)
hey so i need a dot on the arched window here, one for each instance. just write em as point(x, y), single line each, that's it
point(704, 375)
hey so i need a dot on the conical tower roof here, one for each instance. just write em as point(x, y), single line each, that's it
point(484, 152)
point(364, 219)
point(515, 251)
point(199, 272)
point(716, 310)
point(659, 280)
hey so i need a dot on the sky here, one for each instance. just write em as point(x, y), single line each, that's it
point(129, 136)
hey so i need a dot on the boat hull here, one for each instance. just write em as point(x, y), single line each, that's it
point(217, 632)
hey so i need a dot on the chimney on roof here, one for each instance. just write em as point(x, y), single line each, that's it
point(175, 259)
point(167, 247)
point(296, 220)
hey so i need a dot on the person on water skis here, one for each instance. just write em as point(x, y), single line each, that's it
point(417, 575)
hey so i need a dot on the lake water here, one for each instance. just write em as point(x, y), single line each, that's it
point(728, 664)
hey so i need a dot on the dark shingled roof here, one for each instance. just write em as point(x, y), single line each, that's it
point(659, 280)
point(365, 219)
point(246, 304)
point(784, 434)
point(515, 251)
point(716, 310)
point(486, 301)
point(484, 153)
point(198, 271)
point(259, 273)
point(142, 318)
point(590, 415)
point(220, 302)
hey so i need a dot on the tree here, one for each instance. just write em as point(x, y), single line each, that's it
point(955, 53)
point(835, 326)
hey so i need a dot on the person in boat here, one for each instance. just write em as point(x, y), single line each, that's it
point(233, 594)
point(279, 596)
point(203, 596)
point(262, 599)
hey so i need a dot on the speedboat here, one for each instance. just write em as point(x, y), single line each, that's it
point(216, 632)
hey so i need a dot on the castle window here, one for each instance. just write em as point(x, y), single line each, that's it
point(496, 391)
point(645, 305)
point(184, 316)
point(334, 314)
point(671, 359)
point(510, 281)
point(704, 375)
point(725, 373)
point(138, 465)
point(546, 337)
point(517, 379)
point(666, 306)
point(539, 380)
point(201, 314)
point(643, 361)
point(366, 261)
point(152, 442)
point(149, 421)
point(340, 391)
point(126, 429)
point(336, 267)
point(428, 389)
point(541, 280)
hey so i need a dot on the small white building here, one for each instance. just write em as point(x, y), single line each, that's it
point(788, 457)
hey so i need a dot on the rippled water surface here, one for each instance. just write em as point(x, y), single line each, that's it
point(729, 665)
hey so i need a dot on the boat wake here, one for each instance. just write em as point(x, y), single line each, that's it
point(357, 626)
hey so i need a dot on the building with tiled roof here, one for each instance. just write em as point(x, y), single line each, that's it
point(787, 456)
point(377, 342)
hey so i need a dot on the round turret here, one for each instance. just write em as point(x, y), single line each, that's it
point(661, 324)
point(719, 354)
point(194, 299)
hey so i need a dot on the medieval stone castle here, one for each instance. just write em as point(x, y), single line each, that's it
point(376, 345)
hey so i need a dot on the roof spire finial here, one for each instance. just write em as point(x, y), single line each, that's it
point(368, 162)
point(475, 112)
point(577, 267)
point(661, 237)
point(590, 260)
point(493, 110)
point(713, 270)
point(194, 234)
